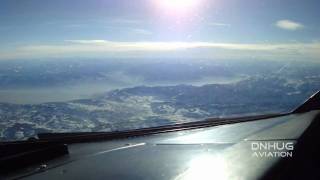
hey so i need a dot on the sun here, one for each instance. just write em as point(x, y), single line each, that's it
point(178, 5)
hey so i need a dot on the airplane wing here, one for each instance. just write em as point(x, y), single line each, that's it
point(278, 146)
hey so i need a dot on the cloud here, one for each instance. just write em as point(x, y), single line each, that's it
point(118, 21)
point(289, 25)
point(172, 46)
point(124, 21)
point(219, 24)
point(87, 41)
point(141, 31)
point(104, 49)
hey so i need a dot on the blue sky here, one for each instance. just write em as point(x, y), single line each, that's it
point(283, 29)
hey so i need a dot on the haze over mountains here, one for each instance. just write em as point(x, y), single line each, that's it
point(105, 95)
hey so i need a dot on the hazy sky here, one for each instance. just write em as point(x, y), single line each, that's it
point(267, 29)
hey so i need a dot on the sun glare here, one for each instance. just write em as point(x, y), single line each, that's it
point(178, 5)
point(205, 167)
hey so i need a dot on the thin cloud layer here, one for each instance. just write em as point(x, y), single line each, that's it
point(104, 48)
point(289, 25)
point(219, 24)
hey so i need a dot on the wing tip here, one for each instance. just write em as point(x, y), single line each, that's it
point(313, 103)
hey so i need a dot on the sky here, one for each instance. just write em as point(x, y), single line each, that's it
point(266, 29)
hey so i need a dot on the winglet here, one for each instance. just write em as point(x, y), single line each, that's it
point(313, 103)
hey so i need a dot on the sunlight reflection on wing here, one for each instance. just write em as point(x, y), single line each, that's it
point(205, 167)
